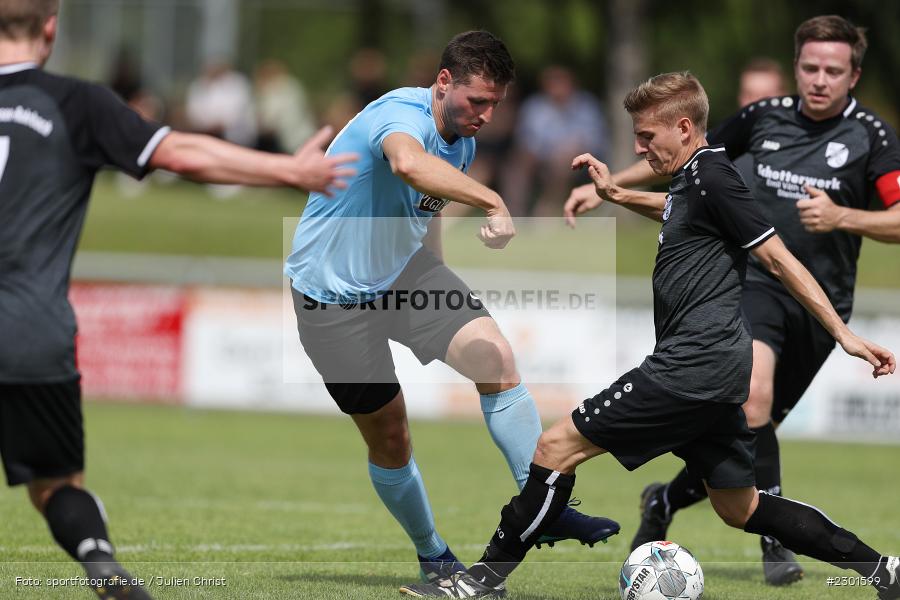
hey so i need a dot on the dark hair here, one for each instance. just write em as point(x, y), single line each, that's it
point(832, 28)
point(669, 97)
point(478, 53)
point(25, 18)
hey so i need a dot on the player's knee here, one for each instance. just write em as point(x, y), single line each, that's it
point(732, 515)
point(395, 443)
point(758, 407)
point(496, 362)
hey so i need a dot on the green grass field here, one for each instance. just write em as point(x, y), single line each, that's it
point(182, 218)
point(280, 506)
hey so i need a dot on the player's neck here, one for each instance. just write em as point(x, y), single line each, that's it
point(688, 151)
point(440, 118)
point(822, 116)
point(20, 51)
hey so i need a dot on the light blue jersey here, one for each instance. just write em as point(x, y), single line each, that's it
point(353, 246)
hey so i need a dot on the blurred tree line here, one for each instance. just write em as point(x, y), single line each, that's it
point(611, 44)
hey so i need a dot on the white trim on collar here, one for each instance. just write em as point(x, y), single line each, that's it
point(701, 151)
point(847, 111)
point(16, 67)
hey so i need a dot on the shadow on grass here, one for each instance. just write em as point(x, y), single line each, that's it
point(346, 579)
point(389, 581)
point(734, 572)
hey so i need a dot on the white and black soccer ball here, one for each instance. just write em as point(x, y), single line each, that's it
point(661, 571)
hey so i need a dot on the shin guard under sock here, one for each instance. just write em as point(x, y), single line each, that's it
point(522, 522)
point(78, 524)
point(806, 530)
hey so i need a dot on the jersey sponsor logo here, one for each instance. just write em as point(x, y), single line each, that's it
point(668, 208)
point(435, 205)
point(836, 154)
point(431, 204)
point(788, 184)
point(770, 145)
point(27, 117)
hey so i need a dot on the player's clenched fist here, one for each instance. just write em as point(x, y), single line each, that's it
point(498, 230)
point(819, 214)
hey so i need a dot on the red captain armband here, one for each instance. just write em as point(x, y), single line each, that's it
point(888, 186)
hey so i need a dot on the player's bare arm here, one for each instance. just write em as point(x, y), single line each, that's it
point(802, 286)
point(205, 158)
point(819, 214)
point(431, 175)
point(647, 204)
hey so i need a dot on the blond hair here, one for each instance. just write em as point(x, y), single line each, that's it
point(669, 97)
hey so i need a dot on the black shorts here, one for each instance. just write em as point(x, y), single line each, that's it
point(800, 343)
point(636, 420)
point(41, 432)
point(348, 345)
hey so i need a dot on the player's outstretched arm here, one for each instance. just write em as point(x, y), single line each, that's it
point(802, 286)
point(820, 215)
point(208, 159)
point(648, 204)
point(431, 175)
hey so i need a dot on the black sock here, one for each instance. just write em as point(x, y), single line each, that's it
point(77, 524)
point(768, 460)
point(683, 491)
point(806, 530)
point(522, 522)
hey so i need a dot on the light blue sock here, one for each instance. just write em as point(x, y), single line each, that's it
point(515, 426)
point(403, 493)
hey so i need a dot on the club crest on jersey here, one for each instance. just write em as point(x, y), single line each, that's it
point(836, 154)
point(431, 204)
point(667, 210)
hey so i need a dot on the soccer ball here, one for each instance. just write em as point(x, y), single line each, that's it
point(661, 571)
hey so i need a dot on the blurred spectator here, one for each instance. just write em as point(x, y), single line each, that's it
point(420, 69)
point(495, 142)
point(368, 82)
point(368, 75)
point(284, 117)
point(125, 79)
point(220, 103)
point(761, 78)
point(554, 125)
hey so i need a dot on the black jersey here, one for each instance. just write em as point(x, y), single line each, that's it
point(55, 133)
point(849, 156)
point(710, 221)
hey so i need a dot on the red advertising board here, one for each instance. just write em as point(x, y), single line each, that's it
point(129, 342)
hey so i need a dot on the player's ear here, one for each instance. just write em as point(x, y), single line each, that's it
point(49, 30)
point(48, 35)
point(854, 77)
point(685, 128)
point(444, 80)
